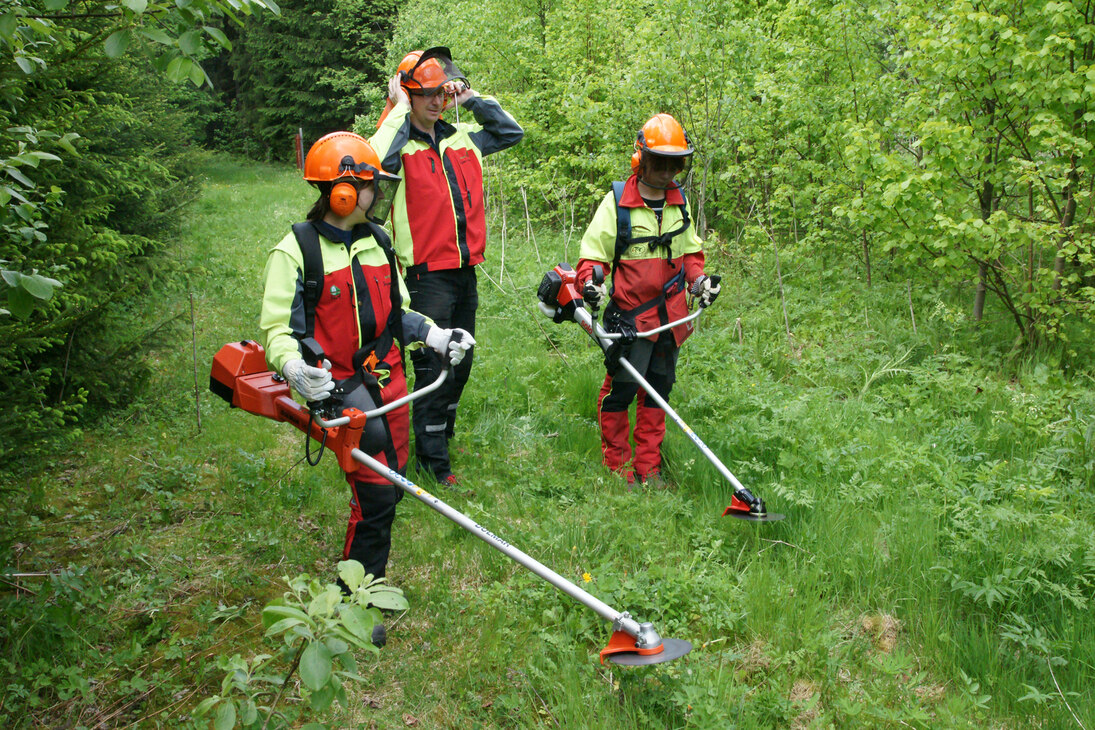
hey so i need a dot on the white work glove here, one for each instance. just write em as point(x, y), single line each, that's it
point(453, 344)
point(396, 92)
point(594, 294)
point(704, 290)
point(312, 383)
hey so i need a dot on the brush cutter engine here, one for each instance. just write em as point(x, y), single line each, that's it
point(559, 289)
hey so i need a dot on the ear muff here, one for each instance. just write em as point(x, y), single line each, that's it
point(636, 160)
point(343, 199)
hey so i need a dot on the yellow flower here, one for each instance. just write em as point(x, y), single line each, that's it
point(587, 577)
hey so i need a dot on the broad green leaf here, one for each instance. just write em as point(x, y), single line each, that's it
point(336, 646)
point(37, 154)
point(197, 74)
point(178, 69)
point(340, 630)
point(38, 286)
point(137, 6)
point(358, 621)
point(190, 42)
point(219, 36)
point(8, 24)
point(283, 625)
point(55, 5)
point(11, 278)
point(24, 65)
point(315, 666)
point(116, 43)
point(204, 706)
point(225, 718)
point(157, 35)
point(278, 612)
point(248, 713)
point(322, 698)
point(352, 573)
point(388, 598)
point(66, 142)
point(20, 302)
point(19, 177)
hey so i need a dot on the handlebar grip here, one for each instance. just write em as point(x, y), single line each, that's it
point(715, 280)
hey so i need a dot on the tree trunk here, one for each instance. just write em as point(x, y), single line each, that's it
point(979, 297)
point(867, 258)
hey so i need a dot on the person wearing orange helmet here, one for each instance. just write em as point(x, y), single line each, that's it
point(438, 219)
point(332, 286)
point(642, 235)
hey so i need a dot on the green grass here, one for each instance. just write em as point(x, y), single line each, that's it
point(935, 569)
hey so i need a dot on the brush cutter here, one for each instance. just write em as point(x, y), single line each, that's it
point(241, 377)
point(561, 300)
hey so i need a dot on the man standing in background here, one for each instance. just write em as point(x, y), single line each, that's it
point(439, 220)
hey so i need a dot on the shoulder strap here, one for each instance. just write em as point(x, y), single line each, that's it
point(623, 224)
point(623, 228)
point(308, 240)
point(395, 319)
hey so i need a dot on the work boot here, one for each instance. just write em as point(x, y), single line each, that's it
point(453, 482)
point(380, 635)
point(654, 479)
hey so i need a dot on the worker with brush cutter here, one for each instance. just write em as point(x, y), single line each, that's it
point(438, 220)
point(642, 235)
point(335, 319)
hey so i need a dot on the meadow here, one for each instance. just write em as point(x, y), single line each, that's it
point(936, 567)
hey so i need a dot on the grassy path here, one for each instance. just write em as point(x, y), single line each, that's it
point(936, 568)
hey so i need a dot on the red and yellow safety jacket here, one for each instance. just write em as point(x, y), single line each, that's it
point(652, 280)
point(353, 311)
point(439, 217)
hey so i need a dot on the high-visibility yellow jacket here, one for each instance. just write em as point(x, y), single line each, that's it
point(439, 217)
point(646, 276)
point(353, 309)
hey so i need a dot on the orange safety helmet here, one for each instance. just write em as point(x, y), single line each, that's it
point(340, 157)
point(424, 73)
point(421, 78)
point(662, 136)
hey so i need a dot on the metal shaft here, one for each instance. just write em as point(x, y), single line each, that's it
point(585, 319)
point(621, 620)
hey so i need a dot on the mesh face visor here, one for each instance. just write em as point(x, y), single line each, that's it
point(679, 162)
point(384, 187)
point(429, 78)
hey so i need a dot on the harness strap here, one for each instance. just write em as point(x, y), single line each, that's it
point(308, 239)
point(624, 239)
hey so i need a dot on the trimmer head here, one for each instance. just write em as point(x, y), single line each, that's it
point(742, 511)
point(623, 649)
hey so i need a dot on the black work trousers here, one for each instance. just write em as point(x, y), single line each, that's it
point(449, 298)
point(369, 533)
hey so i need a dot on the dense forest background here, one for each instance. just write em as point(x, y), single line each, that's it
point(948, 145)
point(895, 165)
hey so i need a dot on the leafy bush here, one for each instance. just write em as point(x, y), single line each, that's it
point(319, 626)
point(101, 222)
